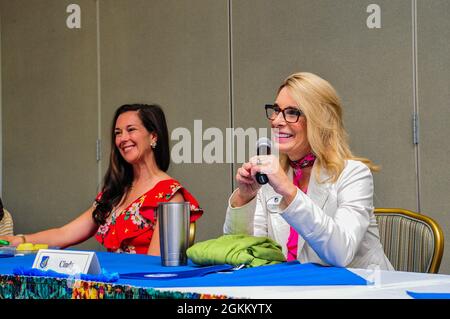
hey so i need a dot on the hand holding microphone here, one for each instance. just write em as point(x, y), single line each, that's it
point(263, 147)
point(250, 177)
point(247, 186)
point(266, 164)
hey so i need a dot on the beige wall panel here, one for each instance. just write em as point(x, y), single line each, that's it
point(49, 112)
point(174, 53)
point(434, 111)
point(370, 68)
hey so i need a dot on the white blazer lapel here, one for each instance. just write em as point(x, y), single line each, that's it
point(318, 192)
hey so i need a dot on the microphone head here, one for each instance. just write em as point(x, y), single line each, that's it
point(263, 146)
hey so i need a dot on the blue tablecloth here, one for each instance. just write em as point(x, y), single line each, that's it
point(285, 274)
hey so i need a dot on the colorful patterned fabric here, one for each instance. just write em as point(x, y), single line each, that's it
point(131, 229)
point(25, 287)
point(407, 242)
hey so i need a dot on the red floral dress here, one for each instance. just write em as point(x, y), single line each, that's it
point(131, 229)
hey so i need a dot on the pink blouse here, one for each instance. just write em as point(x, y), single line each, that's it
point(292, 243)
point(306, 161)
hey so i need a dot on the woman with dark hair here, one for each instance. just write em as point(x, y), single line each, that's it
point(6, 222)
point(122, 217)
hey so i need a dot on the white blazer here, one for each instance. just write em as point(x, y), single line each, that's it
point(335, 221)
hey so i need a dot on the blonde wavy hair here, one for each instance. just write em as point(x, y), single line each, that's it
point(326, 134)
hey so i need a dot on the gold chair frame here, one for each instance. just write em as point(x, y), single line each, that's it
point(436, 229)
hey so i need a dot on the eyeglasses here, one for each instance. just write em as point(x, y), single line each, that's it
point(290, 114)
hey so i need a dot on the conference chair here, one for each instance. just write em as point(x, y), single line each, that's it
point(412, 242)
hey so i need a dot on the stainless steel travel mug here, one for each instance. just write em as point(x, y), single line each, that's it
point(174, 220)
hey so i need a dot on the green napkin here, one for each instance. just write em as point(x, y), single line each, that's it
point(236, 250)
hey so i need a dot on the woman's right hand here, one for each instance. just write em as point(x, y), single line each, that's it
point(247, 186)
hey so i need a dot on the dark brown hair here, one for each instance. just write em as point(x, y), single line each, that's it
point(2, 213)
point(119, 176)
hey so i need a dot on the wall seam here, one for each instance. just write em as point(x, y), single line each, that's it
point(416, 104)
point(1, 114)
point(231, 91)
point(99, 99)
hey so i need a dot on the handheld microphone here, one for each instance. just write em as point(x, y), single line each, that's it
point(263, 146)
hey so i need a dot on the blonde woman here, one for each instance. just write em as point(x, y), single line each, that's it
point(318, 202)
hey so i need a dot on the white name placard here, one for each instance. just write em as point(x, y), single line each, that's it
point(67, 261)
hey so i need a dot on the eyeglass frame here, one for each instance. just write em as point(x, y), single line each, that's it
point(271, 106)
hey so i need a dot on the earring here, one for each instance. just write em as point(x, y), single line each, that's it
point(153, 145)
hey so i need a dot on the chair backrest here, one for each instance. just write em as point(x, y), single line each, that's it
point(411, 241)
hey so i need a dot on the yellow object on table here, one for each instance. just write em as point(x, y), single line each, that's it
point(25, 246)
point(30, 247)
point(40, 246)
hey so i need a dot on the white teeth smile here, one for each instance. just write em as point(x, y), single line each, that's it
point(283, 135)
point(127, 147)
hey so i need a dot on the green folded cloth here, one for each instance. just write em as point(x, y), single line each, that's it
point(236, 250)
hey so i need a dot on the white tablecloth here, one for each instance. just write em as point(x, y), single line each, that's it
point(387, 285)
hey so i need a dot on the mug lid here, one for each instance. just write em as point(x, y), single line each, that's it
point(173, 203)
